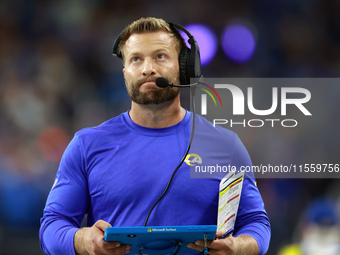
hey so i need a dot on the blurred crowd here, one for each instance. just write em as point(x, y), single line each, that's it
point(57, 75)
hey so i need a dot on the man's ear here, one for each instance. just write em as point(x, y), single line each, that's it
point(123, 70)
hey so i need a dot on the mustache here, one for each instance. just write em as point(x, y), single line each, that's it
point(148, 79)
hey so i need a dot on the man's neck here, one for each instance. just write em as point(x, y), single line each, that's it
point(157, 116)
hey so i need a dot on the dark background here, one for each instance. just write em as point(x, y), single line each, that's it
point(57, 75)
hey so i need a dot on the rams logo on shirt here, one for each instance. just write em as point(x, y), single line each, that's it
point(193, 159)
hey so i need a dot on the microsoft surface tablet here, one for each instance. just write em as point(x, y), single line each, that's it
point(160, 239)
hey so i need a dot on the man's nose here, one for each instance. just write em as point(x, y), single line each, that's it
point(148, 67)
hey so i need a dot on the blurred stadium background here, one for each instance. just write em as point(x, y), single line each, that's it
point(57, 75)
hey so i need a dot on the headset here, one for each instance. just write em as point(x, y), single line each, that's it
point(189, 59)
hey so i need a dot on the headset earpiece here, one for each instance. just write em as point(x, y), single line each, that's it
point(116, 50)
point(183, 60)
point(193, 69)
point(189, 59)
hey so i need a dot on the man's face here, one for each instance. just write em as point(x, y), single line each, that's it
point(148, 56)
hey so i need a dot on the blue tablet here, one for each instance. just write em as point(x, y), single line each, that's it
point(160, 239)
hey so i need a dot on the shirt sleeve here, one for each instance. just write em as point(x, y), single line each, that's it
point(252, 218)
point(66, 204)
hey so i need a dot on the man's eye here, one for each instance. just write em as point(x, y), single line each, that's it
point(160, 56)
point(135, 59)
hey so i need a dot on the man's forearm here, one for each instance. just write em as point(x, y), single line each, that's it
point(79, 241)
point(246, 245)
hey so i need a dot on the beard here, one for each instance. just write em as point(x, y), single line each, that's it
point(157, 96)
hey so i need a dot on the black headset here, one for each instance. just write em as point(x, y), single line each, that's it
point(189, 59)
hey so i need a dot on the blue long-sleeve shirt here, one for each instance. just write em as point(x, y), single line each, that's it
point(117, 170)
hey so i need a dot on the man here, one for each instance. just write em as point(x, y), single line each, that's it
point(116, 171)
point(317, 230)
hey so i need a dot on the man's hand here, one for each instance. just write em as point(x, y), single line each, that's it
point(230, 245)
point(91, 241)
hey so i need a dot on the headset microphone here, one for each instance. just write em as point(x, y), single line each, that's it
point(163, 83)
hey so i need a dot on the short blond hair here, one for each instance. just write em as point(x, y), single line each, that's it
point(150, 25)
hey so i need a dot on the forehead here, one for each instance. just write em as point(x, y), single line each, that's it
point(145, 42)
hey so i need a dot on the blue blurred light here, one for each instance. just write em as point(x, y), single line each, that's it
point(238, 43)
point(206, 39)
